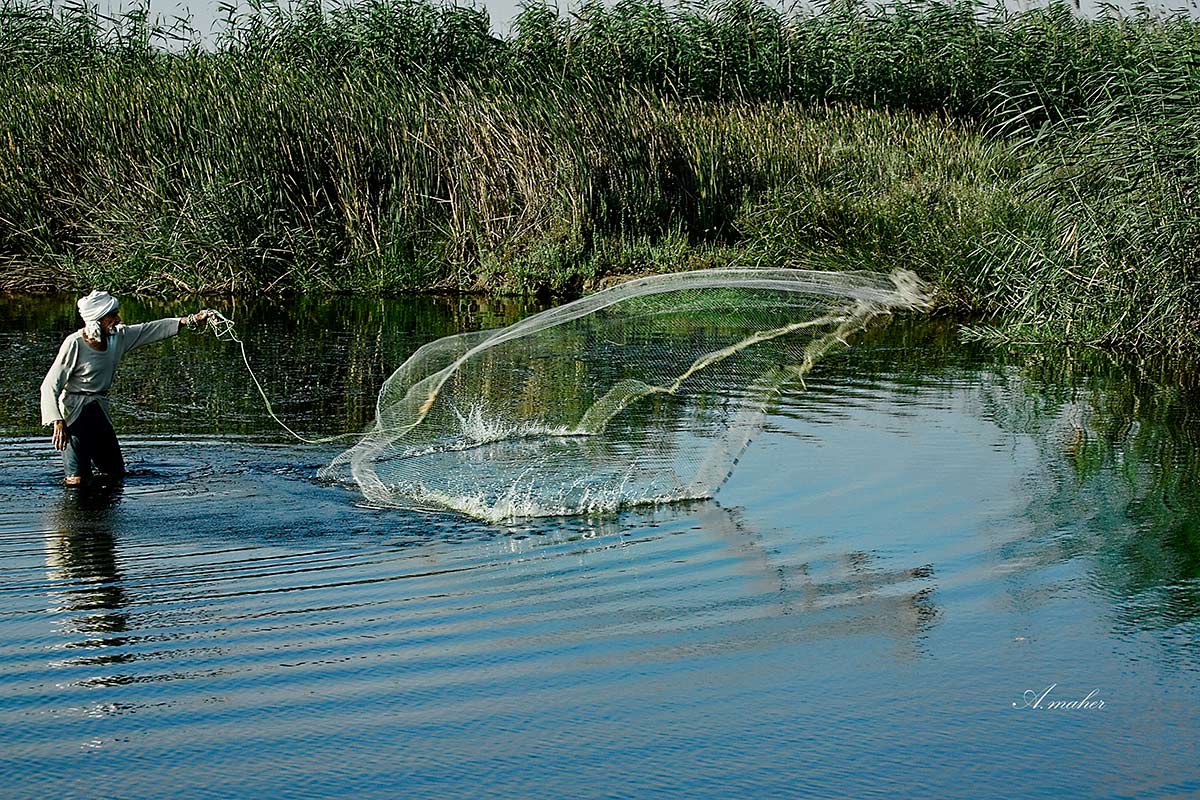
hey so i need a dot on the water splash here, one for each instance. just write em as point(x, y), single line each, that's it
point(644, 393)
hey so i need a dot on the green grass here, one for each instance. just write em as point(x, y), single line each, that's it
point(1040, 168)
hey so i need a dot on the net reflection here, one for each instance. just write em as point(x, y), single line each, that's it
point(834, 591)
point(712, 581)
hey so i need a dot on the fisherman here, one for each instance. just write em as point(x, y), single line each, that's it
point(75, 390)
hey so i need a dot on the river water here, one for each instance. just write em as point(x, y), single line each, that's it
point(940, 571)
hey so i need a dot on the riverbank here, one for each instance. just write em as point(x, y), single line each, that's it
point(1039, 168)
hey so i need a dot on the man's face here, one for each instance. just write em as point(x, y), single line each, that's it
point(109, 322)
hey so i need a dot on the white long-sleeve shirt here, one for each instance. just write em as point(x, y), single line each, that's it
point(81, 374)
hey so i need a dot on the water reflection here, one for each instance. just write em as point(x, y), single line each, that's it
point(1119, 480)
point(880, 599)
point(800, 584)
point(1116, 483)
point(81, 562)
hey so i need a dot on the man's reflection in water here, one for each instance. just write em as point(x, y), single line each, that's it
point(81, 562)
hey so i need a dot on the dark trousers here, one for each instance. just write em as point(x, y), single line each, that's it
point(91, 440)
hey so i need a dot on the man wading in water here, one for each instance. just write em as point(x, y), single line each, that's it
point(75, 390)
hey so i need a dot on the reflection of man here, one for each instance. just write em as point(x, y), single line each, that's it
point(81, 553)
point(75, 390)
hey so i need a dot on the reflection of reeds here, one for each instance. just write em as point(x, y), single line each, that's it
point(399, 144)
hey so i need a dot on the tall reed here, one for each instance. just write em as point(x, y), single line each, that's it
point(1041, 167)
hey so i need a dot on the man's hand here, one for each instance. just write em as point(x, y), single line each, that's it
point(60, 435)
point(196, 320)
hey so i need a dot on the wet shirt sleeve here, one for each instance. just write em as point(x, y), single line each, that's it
point(56, 379)
point(147, 332)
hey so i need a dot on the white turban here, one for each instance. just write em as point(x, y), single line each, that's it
point(96, 305)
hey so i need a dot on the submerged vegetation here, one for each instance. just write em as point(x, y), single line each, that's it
point(1041, 168)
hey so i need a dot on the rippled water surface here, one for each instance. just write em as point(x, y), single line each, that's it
point(921, 555)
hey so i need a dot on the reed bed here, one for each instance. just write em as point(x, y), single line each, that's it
point(1040, 167)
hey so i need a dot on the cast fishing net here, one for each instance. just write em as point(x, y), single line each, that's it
point(647, 392)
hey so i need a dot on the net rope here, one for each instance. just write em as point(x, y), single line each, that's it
point(224, 329)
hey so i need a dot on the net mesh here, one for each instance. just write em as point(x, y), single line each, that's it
point(647, 392)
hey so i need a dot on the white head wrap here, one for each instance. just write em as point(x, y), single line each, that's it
point(92, 308)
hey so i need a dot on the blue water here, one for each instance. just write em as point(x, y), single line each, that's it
point(924, 535)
